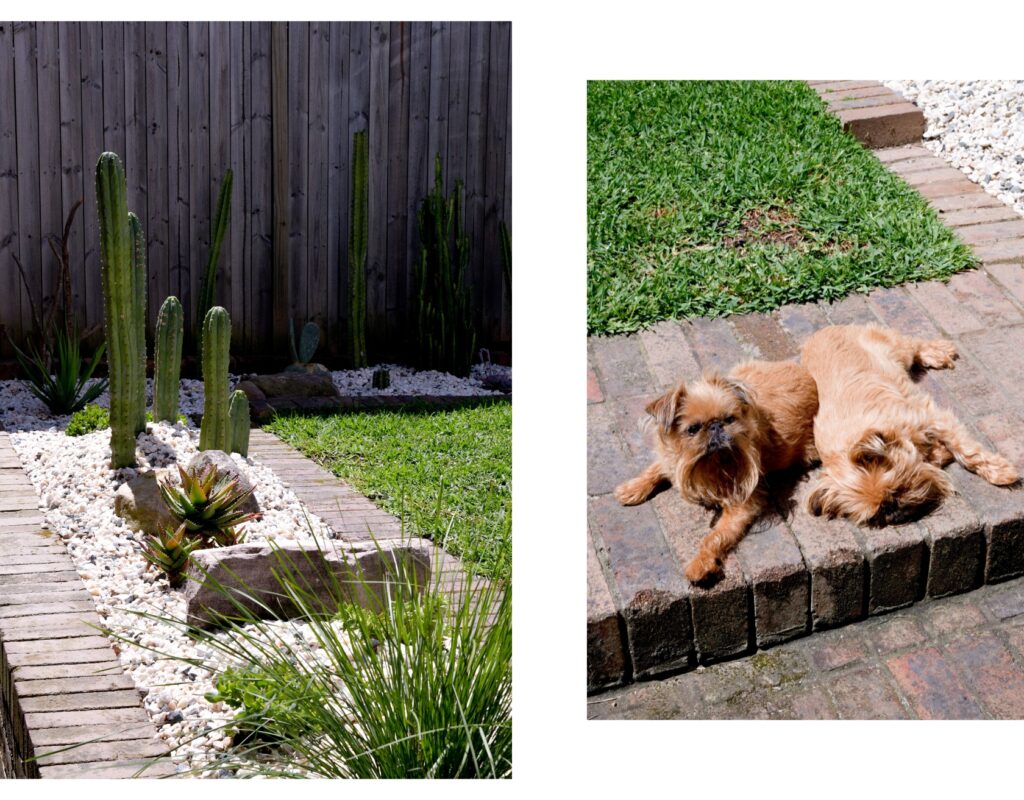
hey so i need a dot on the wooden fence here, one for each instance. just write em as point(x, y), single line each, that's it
point(277, 103)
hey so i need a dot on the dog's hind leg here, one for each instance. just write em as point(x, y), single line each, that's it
point(910, 351)
point(971, 455)
point(637, 490)
point(732, 526)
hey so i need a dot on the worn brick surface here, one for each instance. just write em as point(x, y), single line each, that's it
point(964, 200)
point(954, 187)
point(1004, 250)
point(874, 101)
point(851, 310)
point(945, 310)
point(841, 87)
point(898, 632)
point(976, 290)
point(956, 545)
point(774, 569)
point(932, 686)
point(608, 461)
point(1006, 602)
point(939, 172)
point(606, 655)
point(669, 357)
point(594, 394)
point(897, 559)
point(1010, 276)
point(982, 214)
point(866, 693)
point(720, 613)
point(763, 332)
point(671, 698)
point(990, 671)
point(952, 616)
point(802, 321)
point(715, 344)
point(890, 155)
point(887, 126)
point(621, 365)
point(834, 649)
point(650, 591)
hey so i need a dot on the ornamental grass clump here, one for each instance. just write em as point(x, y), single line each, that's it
point(208, 505)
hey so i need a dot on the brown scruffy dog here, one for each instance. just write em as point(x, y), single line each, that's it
point(882, 440)
point(718, 438)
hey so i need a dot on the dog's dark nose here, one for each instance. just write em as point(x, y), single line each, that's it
point(718, 439)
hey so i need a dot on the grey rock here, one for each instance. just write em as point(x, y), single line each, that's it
point(224, 578)
point(296, 384)
point(308, 369)
point(225, 465)
point(139, 504)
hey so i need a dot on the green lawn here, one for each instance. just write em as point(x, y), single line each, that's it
point(708, 198)
point(447, 474)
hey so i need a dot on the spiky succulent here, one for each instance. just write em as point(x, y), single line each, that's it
point(208, 506)
point(169, 551)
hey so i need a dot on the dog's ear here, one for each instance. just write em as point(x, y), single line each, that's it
point(666, 407)
point(872, 449)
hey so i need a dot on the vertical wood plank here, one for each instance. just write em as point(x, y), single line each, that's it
point(263, 200)
point(199, 177)
point(377, 246)
point(317, 177)
point(179, 234)
point(113, 99)
point(438, 134)
point(158, 160)
point(220, 142)
point(51, 217)
point(494, 187)
point(298, 157)
point(72, 173)
point(281, 111)
point(476, 158)
point(398, 186)
point(238, 234)
point(506, 300)
point(27, 132)
point(91, 64)
point(338, 190)
point(420, 168)
point(10, 293)
point(358, 119)
point(136, 159)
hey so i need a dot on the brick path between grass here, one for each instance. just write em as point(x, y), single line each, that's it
point(807, 574)
point(957, 658)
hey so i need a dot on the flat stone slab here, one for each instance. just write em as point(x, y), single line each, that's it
point(876, 115)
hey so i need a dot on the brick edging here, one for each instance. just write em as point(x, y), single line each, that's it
point(873, 113)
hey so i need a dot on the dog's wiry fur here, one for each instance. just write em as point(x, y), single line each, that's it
point(883, 441)
point(718, 437)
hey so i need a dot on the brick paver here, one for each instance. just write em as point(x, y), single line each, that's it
point(952, 658)
point(806, 574)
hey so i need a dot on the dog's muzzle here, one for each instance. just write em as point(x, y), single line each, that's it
point(718, 439)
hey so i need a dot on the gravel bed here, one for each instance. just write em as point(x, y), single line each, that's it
point(978, 127)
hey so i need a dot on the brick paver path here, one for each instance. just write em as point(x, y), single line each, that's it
point(806, 574)
point(956, 658)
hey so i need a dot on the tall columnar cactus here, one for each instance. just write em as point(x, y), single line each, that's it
point(358, 235)
point(442, 315)
point(238, 411)
point(170, 330)
point(119, 296)
point(139, 313)
point(220, 225)
point(214, 432)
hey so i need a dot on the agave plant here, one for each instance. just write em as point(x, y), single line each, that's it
point(208, 506)
point(169, 551)
point(67, 390)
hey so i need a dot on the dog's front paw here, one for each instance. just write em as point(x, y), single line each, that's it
point(702, 568)
point(938, 354)
point(999, 471)
point(632, 492)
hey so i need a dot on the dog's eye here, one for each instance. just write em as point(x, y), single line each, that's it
point(730, 419)
point(693, 429)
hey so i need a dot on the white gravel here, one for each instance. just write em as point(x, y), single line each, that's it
point(978, 127)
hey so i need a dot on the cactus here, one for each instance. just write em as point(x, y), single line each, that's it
point(358, 235)
point(309, 340)
point(444, 328)
point(213, 433)
point(170, 329)
point(220, 224)
point(139, 314)
point(381, 379)
point(238, 412)
point(119, 296)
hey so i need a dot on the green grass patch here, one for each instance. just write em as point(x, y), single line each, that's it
point(446, 474)
point(708, 198)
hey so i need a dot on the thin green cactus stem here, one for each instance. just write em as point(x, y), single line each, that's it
point(238, 411)
point(170, 330)
point(119, 294)
point(220, 225)
point(214, 431)
point(139, 312)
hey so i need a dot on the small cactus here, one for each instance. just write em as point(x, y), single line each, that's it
point(170, 329)
point(238, 412)
point(214, 431)
point(119, 297)
point(381, 379)
point(309, 340)
point(358, 235)
point(139, 317)
point(220, 224)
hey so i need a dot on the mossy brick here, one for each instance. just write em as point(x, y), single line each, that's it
point(621, 365)
point(976, 290)
point(956, 547)
point(866, 693)
point(991, 673)
point(802, 701)
point(764, 333)
point(851, 310)
point(606, 653)
point(648, 587)
point(779, 582)
point(715, 344)
point(835, 561)
point(670, 698)
point(669, 357)
point(720, 612)
point(932, 687)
